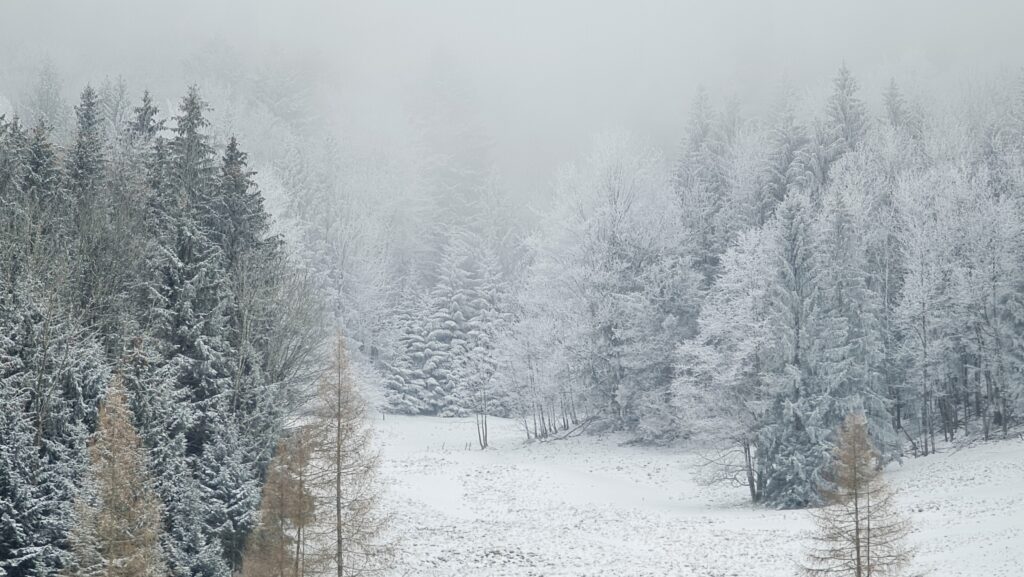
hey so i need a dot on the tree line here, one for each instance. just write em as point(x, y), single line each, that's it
point(157, 342)
point(784, 271)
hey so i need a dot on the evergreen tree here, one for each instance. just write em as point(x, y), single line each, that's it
point(796, 441)
point(848, 346)
point(786, 142)
point(846, 117)
point(189, 303)
point(703, 183)
point(57, 375)
point(237, 222)
point(406, 382)
point(231, 489)
point(23, 546)
point(453, 308)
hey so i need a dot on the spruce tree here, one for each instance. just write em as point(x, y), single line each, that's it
point(796, 443)
point(786, 142)
point(848, 350)
point(56, 373)
point(405, 384)
point(189, 302)
point(847, 119)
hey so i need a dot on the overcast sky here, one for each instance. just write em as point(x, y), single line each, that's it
point(544, 75)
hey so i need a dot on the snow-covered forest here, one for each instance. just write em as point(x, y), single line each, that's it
point(274, 303)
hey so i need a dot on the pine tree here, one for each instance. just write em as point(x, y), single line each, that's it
point(703, 183)
point(860, 531)
point(22, 545)
point(86, 161)
point(95, 285)
point(406, 382)
point(57, 375)
point(786, 142)
point(848, 347)
point(447, 341)
point(189, 309)
point(231, 488)
point(237, 221)
point(847, 119)
point(118, 522)
point(796, 441)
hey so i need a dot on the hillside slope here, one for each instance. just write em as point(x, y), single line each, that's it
point(589, 507)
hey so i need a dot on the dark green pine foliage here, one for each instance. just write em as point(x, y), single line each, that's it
point(15, 217)
point(86, 172)
point(254, 259)
point(164, 255)
point(189, 304)
point(216, 272)
point(21, 519)
point(51, 377)
point(238, 221)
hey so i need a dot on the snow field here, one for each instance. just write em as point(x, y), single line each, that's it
point(588, 507)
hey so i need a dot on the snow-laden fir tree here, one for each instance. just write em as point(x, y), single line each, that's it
point(58, 374)
point(796, 439)
point(406, 382)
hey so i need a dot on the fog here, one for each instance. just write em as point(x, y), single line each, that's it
point(686, 255)
point(539, 77)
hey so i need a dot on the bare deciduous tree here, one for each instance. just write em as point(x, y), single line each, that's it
point(350, 536)
point(860, 532)
point(277, 546)
point(118, 524)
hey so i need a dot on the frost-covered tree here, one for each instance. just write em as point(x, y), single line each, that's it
point(786, 141)
point(924, 312)
point(797, 438)
point(721, 389)
point(612, 268)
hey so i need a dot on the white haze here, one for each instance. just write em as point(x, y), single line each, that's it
point(541, 76)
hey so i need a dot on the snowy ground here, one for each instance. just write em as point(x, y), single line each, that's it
point(588, 506)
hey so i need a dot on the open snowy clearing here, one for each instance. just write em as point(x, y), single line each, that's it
point(588, 506)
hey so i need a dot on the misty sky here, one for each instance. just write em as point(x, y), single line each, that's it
point(543, 75)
